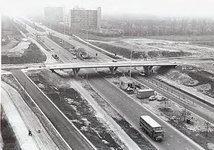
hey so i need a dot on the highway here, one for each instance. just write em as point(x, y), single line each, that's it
point(63, 54)
point(67, 38)
point(132, 111)
point(64, 127)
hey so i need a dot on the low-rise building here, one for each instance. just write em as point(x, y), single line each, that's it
point(127, 84)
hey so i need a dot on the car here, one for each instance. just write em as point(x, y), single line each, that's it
point(161, 98)
point(141, 73)
point(52, 48)
point(55, 56)
point(152, 98)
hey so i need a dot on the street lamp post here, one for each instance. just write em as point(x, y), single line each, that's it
point(130, 72)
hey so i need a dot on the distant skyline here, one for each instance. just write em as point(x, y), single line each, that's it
point(166, 8)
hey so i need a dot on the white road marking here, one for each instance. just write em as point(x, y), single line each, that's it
point(168, 144)
point(178, 141)
point(171, 136)
point(187, 148)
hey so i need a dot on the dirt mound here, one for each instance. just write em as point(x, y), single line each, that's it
point(194, 77)
point(128, 53)
point(31, 55)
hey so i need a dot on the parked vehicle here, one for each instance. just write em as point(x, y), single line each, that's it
point(152, 98)
point(152, 128)
point(144, 93)
point(161, 98)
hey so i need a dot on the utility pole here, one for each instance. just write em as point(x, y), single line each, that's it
point(86, 31)
point(130, 63)
point(207, 127)
point(1, 116)
point(87, 40)
point(64, 31)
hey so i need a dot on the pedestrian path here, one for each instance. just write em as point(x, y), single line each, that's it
point(22, 119)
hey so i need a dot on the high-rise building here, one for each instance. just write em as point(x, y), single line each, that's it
point(85, 19)
point(53, 14)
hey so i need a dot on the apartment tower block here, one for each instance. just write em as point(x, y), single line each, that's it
point(85, 19)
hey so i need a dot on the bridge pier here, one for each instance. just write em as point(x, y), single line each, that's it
point(113, 69)
point(52, 70)
point(75, 71)
point(147, 70)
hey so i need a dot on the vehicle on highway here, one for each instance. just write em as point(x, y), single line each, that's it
point(151, 127)
point(55, 56)
point(52, 48)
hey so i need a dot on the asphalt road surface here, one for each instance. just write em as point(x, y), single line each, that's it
point(64, 127)
point(132, 111)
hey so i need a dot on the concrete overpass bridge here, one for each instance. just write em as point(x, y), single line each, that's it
point(113, 66)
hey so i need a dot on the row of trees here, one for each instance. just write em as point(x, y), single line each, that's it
point(163, 27)
point(149, 27)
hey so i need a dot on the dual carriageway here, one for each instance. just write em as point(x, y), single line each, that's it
point(130, 109)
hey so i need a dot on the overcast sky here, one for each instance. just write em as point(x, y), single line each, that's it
point(201, 8)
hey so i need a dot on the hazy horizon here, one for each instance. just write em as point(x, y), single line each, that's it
point(164, 8)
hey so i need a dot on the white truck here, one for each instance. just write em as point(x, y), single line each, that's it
point(151, 127)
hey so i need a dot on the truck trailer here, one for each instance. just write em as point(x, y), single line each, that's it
point(144, 93)
point(152, 128)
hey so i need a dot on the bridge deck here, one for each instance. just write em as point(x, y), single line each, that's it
point(108, 64)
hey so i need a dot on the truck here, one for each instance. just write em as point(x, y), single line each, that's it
point(144, 93)
point(151, 127)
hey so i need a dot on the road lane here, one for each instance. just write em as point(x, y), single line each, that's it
point(131, 110)
point(67, 38)
point(64, 127)
point(173, 139)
